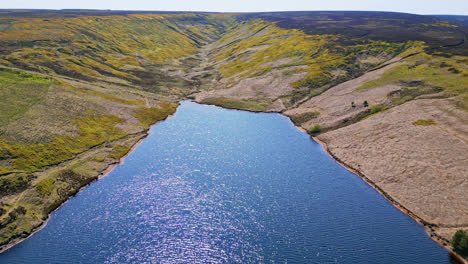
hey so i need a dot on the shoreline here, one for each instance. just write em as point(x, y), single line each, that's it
point(111, 166)
point(428, 227)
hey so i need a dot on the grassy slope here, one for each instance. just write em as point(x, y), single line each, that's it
point(19, 91)
point(422, 71)
point(102, 76)
point(122, 49)
point(325, 58)
point(434, 53)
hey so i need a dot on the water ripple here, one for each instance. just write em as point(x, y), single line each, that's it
point(217, 186)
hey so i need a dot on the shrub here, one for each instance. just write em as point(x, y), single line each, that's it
point(316, 129)
point(13, 215)
point(460, 242)
point(99, 159)
point(366, 104)
point(444, 65)
point(375, 109)
point(75, 179)
point(13, 183)
point(45, 187)
point(424, 122)
point(304, 117)
point(118, 151)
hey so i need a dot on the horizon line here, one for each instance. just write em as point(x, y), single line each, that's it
point(233, 12)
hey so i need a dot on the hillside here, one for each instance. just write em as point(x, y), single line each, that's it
point(387, 93)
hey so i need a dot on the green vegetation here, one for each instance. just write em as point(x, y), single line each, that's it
point(321, 57)
point(424, 69)
point(101, 95)
point(97, 47)
point(93, 130)
point(315, 129)
point(407, 94)
point(118, 151)
point(256, 106)
point(13, 215)
point(424, 122)
point(313, 51)
point(370, 112)
point(99, 159)
point(366, 104)
point(304, 117)
point(423, 74)
point(460, 242)
point(13, 183)
point(150, 115)
point(45, 186)
point(19, 91)
point(375, 109)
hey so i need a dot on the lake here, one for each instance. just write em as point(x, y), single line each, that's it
point(211, 185)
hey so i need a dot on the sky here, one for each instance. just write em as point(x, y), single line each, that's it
point(453, 7)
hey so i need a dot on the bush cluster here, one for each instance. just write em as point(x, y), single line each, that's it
point(316, 129)
point(460, 242)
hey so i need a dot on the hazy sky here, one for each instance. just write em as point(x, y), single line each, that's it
point(459, 7)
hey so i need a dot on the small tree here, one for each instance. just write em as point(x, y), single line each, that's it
point(460, 242)
point(315, 129)
point(353, 105)
point(366, 104)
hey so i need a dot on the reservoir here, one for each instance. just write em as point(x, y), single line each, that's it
point(211, 185)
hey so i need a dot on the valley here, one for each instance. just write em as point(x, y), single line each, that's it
point(386, 93)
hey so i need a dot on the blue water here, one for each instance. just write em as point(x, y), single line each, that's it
point(211, 185)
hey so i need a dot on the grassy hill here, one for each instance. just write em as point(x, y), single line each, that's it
point(79, 88)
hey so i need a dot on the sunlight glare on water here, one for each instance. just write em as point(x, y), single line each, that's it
point(211, 185)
